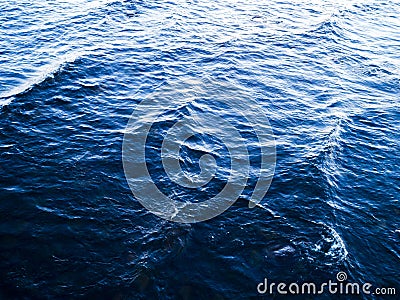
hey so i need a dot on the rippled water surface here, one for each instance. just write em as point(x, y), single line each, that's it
point(72, 73)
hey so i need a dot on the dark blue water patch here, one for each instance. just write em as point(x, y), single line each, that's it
point(73, 74)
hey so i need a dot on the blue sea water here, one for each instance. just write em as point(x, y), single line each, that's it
point(72, 72)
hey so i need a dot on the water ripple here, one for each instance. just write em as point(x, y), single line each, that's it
point(72, 72)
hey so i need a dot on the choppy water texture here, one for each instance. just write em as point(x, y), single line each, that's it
point(72, 72)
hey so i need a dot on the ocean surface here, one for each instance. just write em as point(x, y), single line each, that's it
point(326, 73)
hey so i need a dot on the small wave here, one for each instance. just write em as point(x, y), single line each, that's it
point(5, 101)
point(337, 247)
point(331, 245)
point(325, 246)
point(46, 73)
point(327, 28)
point(330, 149)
